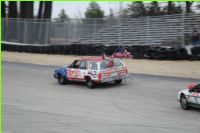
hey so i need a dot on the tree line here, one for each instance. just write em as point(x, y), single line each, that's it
point(134, 9)
point(25, 9)
point(23, 32)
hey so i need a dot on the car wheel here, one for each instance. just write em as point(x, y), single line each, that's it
point(118, 81)
point(183, 102)
point(61, 80)
point(90, 84)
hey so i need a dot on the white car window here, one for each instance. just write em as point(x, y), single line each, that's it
point(93, 65)
point(83, 65)
point(117, 62)
point(104, 64)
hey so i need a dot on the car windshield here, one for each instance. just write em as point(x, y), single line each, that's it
point(197, 86)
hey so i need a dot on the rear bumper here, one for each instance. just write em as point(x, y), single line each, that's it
point(110, 79)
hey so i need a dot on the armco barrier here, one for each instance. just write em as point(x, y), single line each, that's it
point(139, 52)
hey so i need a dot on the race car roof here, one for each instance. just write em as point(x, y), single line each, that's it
point(96, 58)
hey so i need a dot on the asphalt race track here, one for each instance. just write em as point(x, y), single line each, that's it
point(33, 102)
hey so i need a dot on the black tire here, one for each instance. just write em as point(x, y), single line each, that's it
point(182, 54)
point(61, 80)
point(195, 50)
point(90, 84)
point(162, 53)
point(172, 53)
point(118, 81)
point(183, 102)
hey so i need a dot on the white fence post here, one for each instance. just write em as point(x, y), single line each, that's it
point(183, 29)
point(94, 28)
point(119, 34)
point(47, 32)
point(24, 31)
point(147, 29)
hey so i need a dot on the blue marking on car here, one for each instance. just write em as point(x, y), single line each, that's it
point(61, 71)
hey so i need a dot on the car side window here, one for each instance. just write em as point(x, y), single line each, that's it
point(93, 65)
point(75, 64)
point(197, 88)
point(104, 64)
point(83, 65)
point(117, 62)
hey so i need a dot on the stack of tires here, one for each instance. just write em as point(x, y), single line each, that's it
point(195, 53)
point(110, 49)
point(166, 53)
point(139, 51)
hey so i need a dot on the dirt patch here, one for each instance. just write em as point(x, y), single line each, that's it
point(190, 69)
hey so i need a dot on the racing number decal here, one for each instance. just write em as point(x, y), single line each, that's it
point(94, 74)
point(74, 73)
point(195, 94)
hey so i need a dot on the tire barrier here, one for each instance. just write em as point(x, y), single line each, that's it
point(182, 54)
point(195, 53)
point(169, 53)
point(152, 52)
point(196, 50)
point(138, 51)
point(161, 53)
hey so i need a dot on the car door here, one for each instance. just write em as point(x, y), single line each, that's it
point(83, 69)
point(195, 96)
point(76, 70)
point(192, 97)
point(93, 70)
point(73, 72)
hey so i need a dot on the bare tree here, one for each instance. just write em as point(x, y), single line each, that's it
point(188, 6)
point(45, 12)
point(12, 9)
point(48, 9)
point(40, 11)
point(26, 9)
point(26, 12)
point(3, 11)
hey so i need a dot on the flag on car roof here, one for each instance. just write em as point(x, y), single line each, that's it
point(121, 52)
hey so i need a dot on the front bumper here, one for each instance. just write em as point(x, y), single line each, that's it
point(178, 96)
point(55, 76)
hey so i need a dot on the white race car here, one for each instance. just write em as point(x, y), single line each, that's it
point(190, 97)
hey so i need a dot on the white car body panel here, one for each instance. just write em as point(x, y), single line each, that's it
point(107, 75)
point(192, 97)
